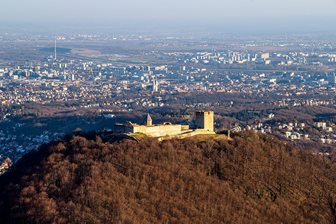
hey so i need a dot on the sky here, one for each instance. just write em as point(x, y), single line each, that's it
point(235, 15)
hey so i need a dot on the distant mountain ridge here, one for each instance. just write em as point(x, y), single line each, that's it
point(254, 178)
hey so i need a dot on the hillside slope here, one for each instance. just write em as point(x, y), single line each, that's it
point(253, 179)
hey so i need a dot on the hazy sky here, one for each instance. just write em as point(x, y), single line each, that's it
point(263, 14)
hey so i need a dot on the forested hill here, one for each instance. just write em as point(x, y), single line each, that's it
point(252, 179)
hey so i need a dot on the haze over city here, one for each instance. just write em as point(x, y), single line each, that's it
point(228, 16)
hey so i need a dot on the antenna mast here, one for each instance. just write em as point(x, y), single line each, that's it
point(55, 49)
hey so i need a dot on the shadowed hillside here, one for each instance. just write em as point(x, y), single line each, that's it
point(252, 179)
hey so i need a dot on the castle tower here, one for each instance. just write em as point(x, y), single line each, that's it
point(149, 121)
point(205, 120)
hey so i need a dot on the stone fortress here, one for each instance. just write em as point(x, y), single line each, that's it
point(204, 123)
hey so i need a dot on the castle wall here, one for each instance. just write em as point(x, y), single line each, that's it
point(189, 134)
point(159, 130)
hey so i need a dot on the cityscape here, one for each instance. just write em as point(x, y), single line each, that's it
point(252, 85)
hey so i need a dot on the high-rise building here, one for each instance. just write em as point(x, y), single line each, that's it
point(155, 85)
point(265, 56)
